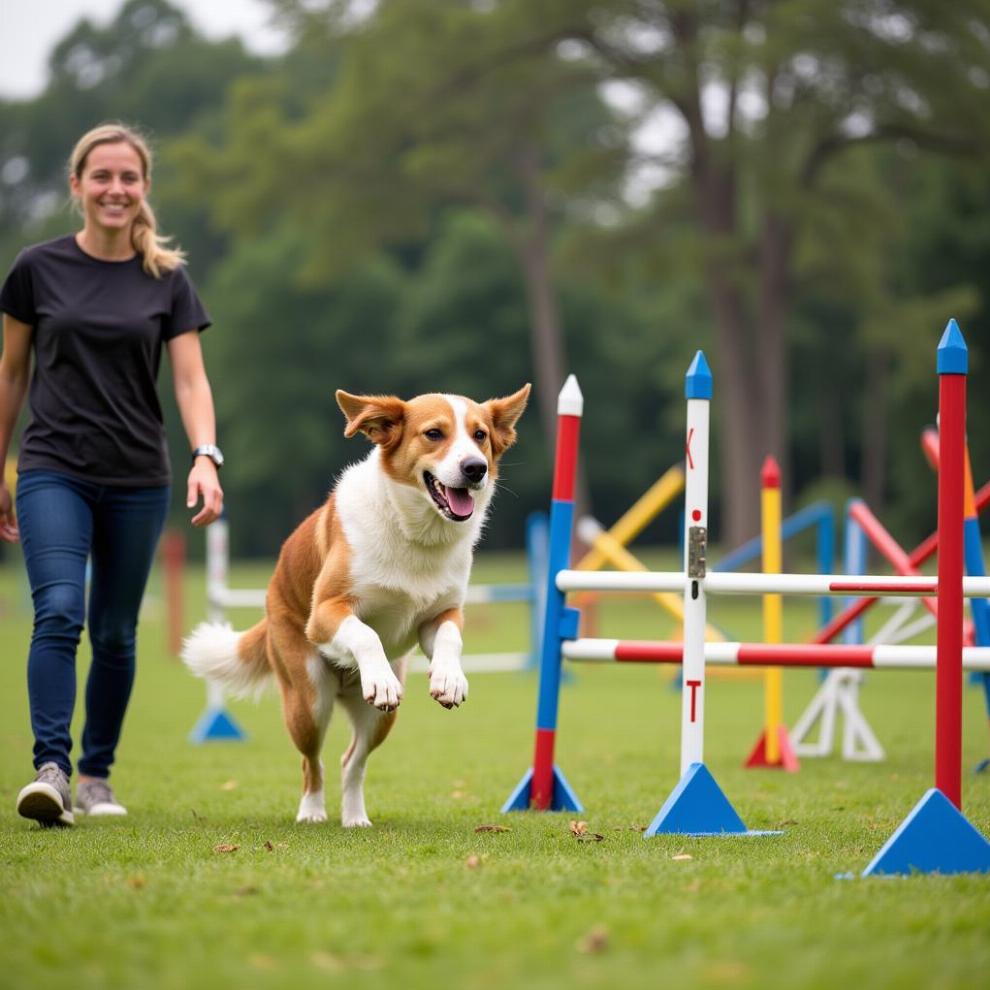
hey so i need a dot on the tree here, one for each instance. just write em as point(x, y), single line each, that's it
point(429, 109)
point(770, 98)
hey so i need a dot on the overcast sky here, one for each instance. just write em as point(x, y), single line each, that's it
point(29, 29)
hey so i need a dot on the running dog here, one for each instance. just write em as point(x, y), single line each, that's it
point(382, 565)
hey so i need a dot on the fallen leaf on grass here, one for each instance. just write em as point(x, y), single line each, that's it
point(326, 961)
point(580, 832)
point(268, 845)
point(226, 847)
point(594, 942)
point(492, 828)
point(228, 785)
point(473, 862)
point(680, 857)
point(137, 881)
point(245, 891)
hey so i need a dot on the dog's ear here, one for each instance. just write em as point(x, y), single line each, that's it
point(378, 417)
point(504, 413)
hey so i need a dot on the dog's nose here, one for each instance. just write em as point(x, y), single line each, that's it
point(474, 469)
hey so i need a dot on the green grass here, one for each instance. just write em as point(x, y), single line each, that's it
point(149, 901)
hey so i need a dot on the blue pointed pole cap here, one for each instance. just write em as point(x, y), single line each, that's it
point(698, 380)
point(953, 355)
point(934, 838)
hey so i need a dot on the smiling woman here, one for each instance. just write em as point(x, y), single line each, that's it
point(96, 309)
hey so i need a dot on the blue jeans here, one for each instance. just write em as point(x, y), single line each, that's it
point(63, 521)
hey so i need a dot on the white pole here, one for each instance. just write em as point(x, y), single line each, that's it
point(217, 559)
point(698, 391)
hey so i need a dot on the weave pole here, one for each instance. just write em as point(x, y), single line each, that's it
point(544, 787)
point(936, 837)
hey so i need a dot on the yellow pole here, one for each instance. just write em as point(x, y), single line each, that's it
point(773, 616)
point(649, 505)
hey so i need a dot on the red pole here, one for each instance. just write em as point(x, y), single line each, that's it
point(952, 368)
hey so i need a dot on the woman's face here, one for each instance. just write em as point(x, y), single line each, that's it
point(111, 187)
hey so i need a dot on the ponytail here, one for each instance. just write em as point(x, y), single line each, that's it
point(156, 256)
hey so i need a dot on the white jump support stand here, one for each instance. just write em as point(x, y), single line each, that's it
point(216, 722)
point(838, 694)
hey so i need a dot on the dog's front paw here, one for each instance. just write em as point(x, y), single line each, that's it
point(312, 810)
point(448, 685)
point(381, 688)
point(362, 821)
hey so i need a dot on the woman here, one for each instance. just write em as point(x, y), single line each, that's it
point(96, 308)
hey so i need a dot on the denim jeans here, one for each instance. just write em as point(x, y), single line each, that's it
point(63, 521)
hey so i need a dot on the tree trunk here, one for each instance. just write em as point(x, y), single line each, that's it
point(771, 333)
point(737, 391)
point(874, 455)
point(546, 334)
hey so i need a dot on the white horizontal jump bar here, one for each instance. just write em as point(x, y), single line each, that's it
point(729, 583)
point(238, 597)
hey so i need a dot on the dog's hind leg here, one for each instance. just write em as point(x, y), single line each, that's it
point(308, 690)
point(370, 729)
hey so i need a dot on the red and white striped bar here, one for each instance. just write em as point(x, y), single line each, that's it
point(729, 583)
point(769, 654)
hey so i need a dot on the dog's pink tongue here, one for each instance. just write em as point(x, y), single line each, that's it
point(460, 501)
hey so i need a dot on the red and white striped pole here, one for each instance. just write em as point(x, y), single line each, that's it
point(953, 365)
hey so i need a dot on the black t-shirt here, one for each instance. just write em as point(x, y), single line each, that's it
point(99, 327)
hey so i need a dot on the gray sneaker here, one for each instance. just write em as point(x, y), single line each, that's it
point(95, 798)
point(46, 799)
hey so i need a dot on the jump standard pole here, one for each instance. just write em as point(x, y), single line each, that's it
point(936, 837)
point(697, 805)
point(544, 787)
point(773, 748)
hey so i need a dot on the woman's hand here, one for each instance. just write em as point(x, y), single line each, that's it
point(8, 525)
point(204, 483)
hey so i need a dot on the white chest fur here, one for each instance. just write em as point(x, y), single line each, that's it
point(407, 564)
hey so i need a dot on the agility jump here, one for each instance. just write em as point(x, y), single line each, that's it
point(935, 836)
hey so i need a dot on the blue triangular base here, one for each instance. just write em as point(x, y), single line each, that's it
point(564, 798)
point(934, 838)
point(213, 724)
point(697, 806)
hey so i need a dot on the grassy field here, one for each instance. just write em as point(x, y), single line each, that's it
point(425, 900)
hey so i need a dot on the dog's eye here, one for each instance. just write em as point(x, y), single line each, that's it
point(480, 436)
point(433, 434)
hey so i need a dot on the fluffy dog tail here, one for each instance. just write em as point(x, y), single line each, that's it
point(238, 661)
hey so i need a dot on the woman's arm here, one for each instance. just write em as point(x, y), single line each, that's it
point(15, 370)
point(195, 402)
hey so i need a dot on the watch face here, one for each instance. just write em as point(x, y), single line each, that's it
point(210, 451)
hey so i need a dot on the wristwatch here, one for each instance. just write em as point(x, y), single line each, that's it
point(210, 450)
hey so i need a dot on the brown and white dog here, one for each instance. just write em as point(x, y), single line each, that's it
point(383, 564)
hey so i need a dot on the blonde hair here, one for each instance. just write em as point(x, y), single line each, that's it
point(156, 256)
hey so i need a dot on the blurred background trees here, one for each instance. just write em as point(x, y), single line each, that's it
point(462, 196)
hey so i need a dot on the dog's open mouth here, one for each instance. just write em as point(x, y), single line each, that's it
point(454, 503)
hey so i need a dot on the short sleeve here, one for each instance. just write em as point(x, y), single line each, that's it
point(17, 292)
point(187, 312)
